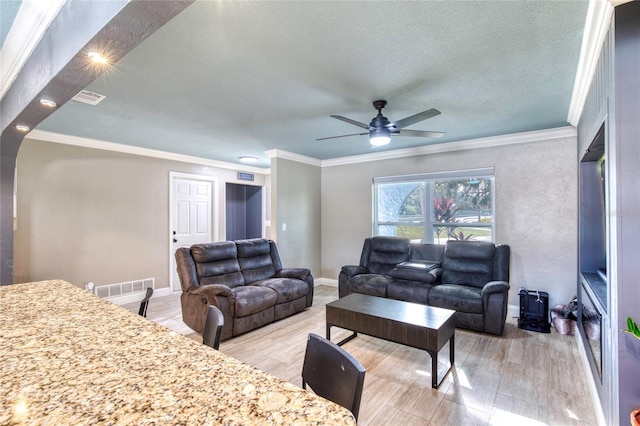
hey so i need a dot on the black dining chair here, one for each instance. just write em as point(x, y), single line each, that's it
point(333, 373)
point(213, 327)
point(145, 302)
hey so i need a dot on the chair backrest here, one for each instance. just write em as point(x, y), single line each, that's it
point(213, 327)
point(145, 302)
point(333, 373)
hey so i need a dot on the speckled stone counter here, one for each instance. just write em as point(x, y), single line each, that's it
point(67, 357)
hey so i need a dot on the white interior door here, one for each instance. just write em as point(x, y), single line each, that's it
point(191, 216)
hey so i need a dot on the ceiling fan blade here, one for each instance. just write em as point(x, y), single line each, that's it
point(350, 121)
point(418, 133)
point(342, 136)
point(408, 121)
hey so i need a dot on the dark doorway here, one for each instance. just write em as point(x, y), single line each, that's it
point(244, 211)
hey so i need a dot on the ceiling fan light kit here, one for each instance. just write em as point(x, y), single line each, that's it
point(380, 129)
point(379, 137)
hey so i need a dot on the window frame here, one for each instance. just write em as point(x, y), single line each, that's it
point(427, 180)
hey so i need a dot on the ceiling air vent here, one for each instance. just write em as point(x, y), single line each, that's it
point(88, 97)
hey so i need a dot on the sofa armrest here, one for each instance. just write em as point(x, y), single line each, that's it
point(299, 273)
point(302, 274)
point(493, 287)
point(195, 304)
point(346, 273)
point(218, 295)
point(353, 270)
point(412, 274)
point(495, 295)
point(211, 290)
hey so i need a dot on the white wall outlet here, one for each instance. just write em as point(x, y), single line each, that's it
point(284, 226)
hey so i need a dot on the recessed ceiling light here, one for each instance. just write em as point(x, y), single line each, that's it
point(98, 58)
point(248, 159)
point(22, 128)
point(48, 103)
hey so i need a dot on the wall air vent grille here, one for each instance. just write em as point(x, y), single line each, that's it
point(125, 288)
point(89, 97)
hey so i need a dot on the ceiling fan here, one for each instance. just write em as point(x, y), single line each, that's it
point(380, 129)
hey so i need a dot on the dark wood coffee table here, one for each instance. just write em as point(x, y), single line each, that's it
point(419, 326)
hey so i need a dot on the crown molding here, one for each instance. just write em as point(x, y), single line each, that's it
point(595, 31)
point(135, 150)
point(278, 153)
point(32, 20)
point(515, 138)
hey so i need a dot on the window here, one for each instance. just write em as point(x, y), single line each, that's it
point(436, 207)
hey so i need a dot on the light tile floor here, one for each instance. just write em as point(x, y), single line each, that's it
point(520, 378)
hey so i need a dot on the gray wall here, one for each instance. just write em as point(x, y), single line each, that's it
point(536, 209)
point(93, 215)
point(295, 201)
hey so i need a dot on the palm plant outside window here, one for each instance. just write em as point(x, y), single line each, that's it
point(436, 207)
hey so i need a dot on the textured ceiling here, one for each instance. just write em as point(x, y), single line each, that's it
point(8, 11)
point(225, 79)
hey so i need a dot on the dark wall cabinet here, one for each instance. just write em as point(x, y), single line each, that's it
point(609, 218)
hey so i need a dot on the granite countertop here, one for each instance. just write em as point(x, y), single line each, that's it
point(68, 357)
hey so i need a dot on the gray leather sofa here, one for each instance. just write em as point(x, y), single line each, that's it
point(473, 278)
point(245, 280)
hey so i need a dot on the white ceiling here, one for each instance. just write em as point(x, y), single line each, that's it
point(225, 79)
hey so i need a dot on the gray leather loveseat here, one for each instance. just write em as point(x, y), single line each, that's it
point(245, 280)
point(472, 278)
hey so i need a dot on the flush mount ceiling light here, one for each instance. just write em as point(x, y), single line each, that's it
point(22, 128)
point(248, 159)
point(48, 103)
point(98, 58)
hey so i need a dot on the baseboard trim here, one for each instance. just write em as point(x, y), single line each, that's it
point(513, 311)
point(325, 281)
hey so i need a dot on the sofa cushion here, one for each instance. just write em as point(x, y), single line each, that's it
point(371, 284)
point(210, 252)
point(287, 289)
point(251, 299)
point(426, 251)
point(468, 263)
point(386, 253)
point(254, 257)
point(216, 263)
point(409, 291)
point(457, 297)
